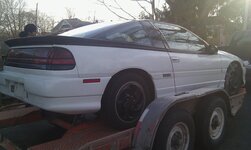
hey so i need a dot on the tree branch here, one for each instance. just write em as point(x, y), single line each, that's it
point(104, 4)
point(148, 1)
point(9, 25)
point(123, 9)
point(144, 8)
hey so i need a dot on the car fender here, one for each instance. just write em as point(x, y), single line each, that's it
point(227, 59)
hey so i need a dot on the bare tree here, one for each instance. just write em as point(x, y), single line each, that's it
point(144, 8)
point(113, 9)
point(152, 15)
point(1, 15)
point(70, 13)
point(13, 18)
point(116, 8)
point(45, 23)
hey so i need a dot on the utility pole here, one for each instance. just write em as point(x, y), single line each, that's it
point(36, 14)
point(94, 17)
point(153, 9)
point(245, 26)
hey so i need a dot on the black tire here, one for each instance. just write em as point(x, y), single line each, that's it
point(125, 100)
point(233, 79)
point(210, 123)
point(177, 130)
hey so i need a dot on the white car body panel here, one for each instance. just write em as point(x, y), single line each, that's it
point(65, 92)
point(195, 70)
point(110, 61)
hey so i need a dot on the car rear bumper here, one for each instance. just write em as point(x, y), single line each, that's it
point(58, 94)
point(67, 105)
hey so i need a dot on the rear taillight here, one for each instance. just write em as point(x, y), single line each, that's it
point(45, 58)
point(60, 59)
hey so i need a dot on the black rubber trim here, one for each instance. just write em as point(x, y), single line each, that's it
point(64, 40)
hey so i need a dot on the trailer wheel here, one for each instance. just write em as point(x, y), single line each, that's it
point(176, 132)
point(210, 121)
point(125, 100)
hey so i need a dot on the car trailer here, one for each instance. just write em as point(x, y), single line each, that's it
point(167, 123)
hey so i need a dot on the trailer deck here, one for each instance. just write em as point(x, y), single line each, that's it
point(94, 135)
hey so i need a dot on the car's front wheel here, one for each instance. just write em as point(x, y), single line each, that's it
point(125, 100)
point(233, 79)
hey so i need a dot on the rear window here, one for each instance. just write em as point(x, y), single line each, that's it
point(91, 30)
point(129, 32)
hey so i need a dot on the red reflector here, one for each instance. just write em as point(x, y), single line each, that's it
point(91, 80)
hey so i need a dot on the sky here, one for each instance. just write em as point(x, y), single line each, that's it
point(86, 9)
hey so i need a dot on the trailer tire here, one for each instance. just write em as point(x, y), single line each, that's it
point(176, 131)
point(125, 100)
point(210, 122)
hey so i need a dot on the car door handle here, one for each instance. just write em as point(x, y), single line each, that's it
point(175, 60)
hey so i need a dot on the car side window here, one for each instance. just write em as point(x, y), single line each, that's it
point(180, 39)
point(153, 34)
point(195, 44)
point(137, 36)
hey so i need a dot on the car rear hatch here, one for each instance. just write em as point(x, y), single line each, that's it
point(32, 63)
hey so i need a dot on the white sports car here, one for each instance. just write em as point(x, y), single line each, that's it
point(117, 67)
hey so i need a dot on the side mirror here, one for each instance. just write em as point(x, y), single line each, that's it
point(211, 49)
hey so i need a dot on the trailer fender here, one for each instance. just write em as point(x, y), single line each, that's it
point(148, 124)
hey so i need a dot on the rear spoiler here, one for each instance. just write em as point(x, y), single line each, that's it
point(66, 40)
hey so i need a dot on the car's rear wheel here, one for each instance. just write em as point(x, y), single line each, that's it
point(233, 79)
point(125, 100)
